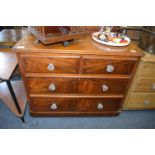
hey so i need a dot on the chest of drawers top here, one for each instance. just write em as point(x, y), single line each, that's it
point(84, 46)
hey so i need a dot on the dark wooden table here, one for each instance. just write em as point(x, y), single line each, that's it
point(9, 37)
point(8, 64)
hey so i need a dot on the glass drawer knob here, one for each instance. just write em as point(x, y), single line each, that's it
point(110, 68)
point(100, 106)
point(105, 88)
point(54, 106)
point(50, 67)
point(52, 87)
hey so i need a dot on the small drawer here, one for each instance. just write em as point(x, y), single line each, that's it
point(145, 84)
point(53, 85)
point(140, 101)
point(75, 104)
point(102, 86)
point(106, 65)
point(51, 64)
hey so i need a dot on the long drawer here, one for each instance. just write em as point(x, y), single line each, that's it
point(56, 105)
point(51, 64)
point(141, 101)
point(146, 69)
point(106, 65)
point(77, 85)
point(144, 84)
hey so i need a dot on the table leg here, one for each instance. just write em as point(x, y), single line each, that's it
point(13, 96)
point(23, 120)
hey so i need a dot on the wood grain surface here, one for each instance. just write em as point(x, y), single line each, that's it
point(144, 84)
point(140, 101)
point(61, 65)
point(74, 104)
point(62, 85)
point(98, 65)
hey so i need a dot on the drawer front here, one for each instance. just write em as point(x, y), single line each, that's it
point(52, 104)
point(145, 85)
point(56, 105)
point(146, 69)
point(98, 105)
point(103, 86)
point(53, 85)
point(98, 65)
point(141, 101)
point(51, 65)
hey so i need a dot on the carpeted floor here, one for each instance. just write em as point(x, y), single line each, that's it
point(126, 120)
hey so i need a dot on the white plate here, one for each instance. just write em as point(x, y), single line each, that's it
point(94, 37)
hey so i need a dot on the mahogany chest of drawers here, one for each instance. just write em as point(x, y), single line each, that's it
point(84, 78)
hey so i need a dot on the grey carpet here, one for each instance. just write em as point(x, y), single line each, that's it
point(126, 120)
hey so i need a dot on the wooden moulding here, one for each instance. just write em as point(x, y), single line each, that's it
point(77, 95)
point(112, 113)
